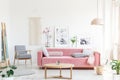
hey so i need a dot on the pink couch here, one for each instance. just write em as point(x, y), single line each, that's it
point(67, 58)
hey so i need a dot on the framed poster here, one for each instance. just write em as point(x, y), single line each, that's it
point(47, 38)
point(61, 37)
point(84, 42)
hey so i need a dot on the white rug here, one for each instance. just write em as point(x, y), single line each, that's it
point(23, 72)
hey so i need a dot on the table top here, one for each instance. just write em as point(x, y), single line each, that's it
point(60, 65)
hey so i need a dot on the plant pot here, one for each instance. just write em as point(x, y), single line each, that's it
point(116, 77)
point(8, 78)
point(107, 73)
point(98, 70)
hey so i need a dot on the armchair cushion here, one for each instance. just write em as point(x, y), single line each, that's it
point(24, 56)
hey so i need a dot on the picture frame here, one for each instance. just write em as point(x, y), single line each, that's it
point(83, 42)
point(61, 36)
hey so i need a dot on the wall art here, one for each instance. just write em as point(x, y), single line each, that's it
point(61, 36)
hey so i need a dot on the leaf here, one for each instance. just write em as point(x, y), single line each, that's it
point(0, 71)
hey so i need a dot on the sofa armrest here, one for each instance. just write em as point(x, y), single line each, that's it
point(39, 58)
point(97, 58)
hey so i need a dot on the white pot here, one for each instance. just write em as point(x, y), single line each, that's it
point(8, 78)
point(116, 77)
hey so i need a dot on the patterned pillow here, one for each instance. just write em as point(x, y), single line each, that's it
point(79, 55)
point(55, 53)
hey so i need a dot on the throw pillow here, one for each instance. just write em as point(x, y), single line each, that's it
point(79, 55)
point(55, 53)
point(45, 52)
point(91, 59)
point(88, 51)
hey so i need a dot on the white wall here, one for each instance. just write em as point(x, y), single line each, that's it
point(77, 14)
point(4, 17)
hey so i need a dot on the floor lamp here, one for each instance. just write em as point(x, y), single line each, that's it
point(97, 21)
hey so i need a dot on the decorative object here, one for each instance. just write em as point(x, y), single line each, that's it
point(57, 62)
point(45, 51)
point(98, 70)
point(116, 66)
point(91, 59)
point(83, 42)
point(8, 72)
point(97, 21)
point(88, 51)
point(73, 40)
point(35, 31)
point(47, 36)
point(61, 37)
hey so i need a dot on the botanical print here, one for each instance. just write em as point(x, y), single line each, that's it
point(61, 36)
point(47, 37)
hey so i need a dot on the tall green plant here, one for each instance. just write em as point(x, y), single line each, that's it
point(116, 66)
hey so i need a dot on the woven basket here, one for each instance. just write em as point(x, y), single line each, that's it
point(99, 70)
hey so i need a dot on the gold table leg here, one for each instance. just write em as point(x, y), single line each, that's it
point(45, 72)
point(60, 73)
point(71, 73)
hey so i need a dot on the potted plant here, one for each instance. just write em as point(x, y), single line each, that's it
point(73, 40)
point(116, 66)
point(7, 72)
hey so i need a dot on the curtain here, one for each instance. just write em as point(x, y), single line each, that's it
point(115, 30)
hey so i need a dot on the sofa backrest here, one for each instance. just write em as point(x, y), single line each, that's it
point(66, 51)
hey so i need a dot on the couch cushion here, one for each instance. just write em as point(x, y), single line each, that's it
point(55, 53)
point(79, 55)
point(45, 52)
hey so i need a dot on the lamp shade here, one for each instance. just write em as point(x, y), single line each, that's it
point(97, 21)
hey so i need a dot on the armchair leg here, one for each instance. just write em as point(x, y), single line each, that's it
point(25, 62)
point(31, 61)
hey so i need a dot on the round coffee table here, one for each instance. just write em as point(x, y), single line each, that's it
point(59, 66)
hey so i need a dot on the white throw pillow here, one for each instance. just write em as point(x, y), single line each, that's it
point(55, 53)
point(45, 52)
point(88, 51)
point(91, 59)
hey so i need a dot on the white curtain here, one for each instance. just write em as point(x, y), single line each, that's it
point(115, 30)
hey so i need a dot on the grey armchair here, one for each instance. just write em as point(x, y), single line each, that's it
point(22, 54)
